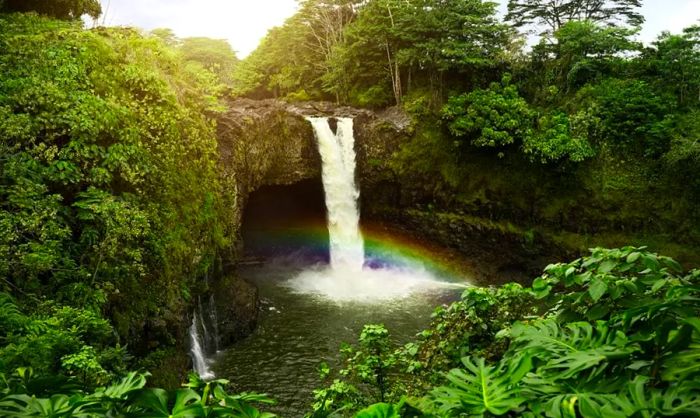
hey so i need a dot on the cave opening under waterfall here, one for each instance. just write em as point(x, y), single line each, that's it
point(321, 276)
point(286, 221)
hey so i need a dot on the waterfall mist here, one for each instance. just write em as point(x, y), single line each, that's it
point(348, 279)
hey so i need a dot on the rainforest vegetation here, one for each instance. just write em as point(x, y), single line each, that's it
point(553, 119)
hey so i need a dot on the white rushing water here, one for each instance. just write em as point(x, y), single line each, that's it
point(338, 158)
point(199, 360)
point(346, 280)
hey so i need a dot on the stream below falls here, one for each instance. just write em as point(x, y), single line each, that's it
point(332, 279)
point(296, 332)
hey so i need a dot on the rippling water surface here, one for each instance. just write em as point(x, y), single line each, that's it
point(297, 331)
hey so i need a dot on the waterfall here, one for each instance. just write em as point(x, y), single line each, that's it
point(199, 360)
point(348, 279)
point(202, 341)
point(338, 166)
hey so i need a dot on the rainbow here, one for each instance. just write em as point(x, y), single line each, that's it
point(384, 246)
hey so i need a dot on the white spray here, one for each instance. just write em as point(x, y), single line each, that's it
point(347, 280)
point(338, 158)
point(199, 360)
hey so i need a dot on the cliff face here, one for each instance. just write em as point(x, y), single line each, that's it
point(269, 142)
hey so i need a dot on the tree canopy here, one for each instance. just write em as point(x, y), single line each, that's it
point(553, 14)
point(61, 9)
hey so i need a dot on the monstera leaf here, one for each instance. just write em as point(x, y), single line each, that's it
point(379, 410)
point(480, 388)
point(156, 404)
point(31, 406)
point(132, 382)
point(643, 400)
point(571, 350)
point(683, 365)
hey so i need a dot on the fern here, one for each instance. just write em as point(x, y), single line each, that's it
point(11, 318)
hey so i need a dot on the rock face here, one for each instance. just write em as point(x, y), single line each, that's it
point(377, 137)
point(237, 305)
point(269, 142)
point(262, 143)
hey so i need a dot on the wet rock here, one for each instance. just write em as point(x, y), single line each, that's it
point(237, 305)
point(269, 142)
point(262, 143)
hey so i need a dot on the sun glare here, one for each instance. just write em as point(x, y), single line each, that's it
point(243, 23)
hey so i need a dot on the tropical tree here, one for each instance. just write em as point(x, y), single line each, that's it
point(293, 58)
point(410, 43)
point(675, 62)
point(62, 9)
point(553, 14)
point(216, 55)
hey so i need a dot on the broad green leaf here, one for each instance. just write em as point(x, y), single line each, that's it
point(683, 365)
point(479, 389)
point(597, 289)
point(379, 410)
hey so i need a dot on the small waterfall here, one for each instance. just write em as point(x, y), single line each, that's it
point(338, 165)
point(199, 360)
point(204, 334)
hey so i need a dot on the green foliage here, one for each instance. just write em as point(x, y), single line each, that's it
point(498, 117)
point(61, 9)
point(676, 60)
point(490, 118)
point(297, 55)
point(368, 369)
point(584, 52)
point(473, 322)
point(368, 53)
point(110, 202)
point(372, 97)
point(634, 115)
point(556, 139)
point(428, 155)
point(480, 389)
point(617, 334)
point(215, 55)
point(380, 410)
point(128, 397)
point(60, 340)
point(553, 15)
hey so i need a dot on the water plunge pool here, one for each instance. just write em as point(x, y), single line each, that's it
point(322, 280)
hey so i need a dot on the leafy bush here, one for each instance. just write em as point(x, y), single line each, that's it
point(493, 118)
point(109, 196)
point(372, 97)
point(368, 370)
point(613, 334)
point(62, 341)
point(555, 141)
point(498, 117)
point(128, 397)
point(633, 115)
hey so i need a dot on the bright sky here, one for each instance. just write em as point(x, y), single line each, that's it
point(244, 22)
